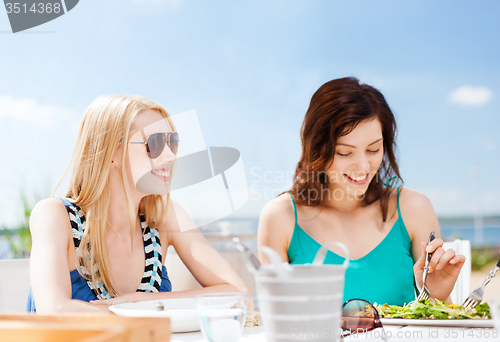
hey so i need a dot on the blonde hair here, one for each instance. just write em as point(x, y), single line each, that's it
point(104, 128)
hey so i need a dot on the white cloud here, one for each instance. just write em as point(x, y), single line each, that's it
point(491, 196)
point(438, 196)
point(373, 79)
point(29, 110)
point(490, 145)
point(471, 96)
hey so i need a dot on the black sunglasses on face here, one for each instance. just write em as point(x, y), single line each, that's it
point(155, 143)
point(359, 315)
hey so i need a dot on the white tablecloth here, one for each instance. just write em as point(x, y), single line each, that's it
point(394, 332)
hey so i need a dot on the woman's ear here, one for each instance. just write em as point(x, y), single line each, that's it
point(116, 158)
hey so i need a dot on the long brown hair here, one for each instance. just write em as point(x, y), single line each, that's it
point(336, 108)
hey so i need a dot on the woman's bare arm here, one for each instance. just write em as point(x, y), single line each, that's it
point(208, 267)
point(420, 220)
point(49, 268)
point(276, 224)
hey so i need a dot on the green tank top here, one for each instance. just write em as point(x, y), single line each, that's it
point(384, 275)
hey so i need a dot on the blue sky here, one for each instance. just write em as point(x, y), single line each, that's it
point(249, 70)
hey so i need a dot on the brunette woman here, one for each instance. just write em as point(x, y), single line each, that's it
point(345, 189)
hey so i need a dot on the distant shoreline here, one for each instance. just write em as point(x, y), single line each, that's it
point(444, 222)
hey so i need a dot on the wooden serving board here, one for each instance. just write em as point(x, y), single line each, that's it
point(82, 328)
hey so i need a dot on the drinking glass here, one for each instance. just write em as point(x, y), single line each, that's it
point(222, 315)
point(495, 312)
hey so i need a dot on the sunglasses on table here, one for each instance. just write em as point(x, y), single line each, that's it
point(155, 143)
point(359, 316)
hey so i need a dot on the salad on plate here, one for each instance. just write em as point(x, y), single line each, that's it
point(438, 310)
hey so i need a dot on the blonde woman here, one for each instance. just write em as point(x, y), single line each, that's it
point(106, 241)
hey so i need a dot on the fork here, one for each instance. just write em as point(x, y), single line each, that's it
point(253, 264)
point(424, 294)
point(476, 296)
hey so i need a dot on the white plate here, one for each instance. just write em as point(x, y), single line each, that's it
point(181, 311)
point(463, 323)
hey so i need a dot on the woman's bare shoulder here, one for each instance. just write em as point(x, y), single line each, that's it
point(276, 224)
point(48, 208)
point(413, 201)
point(49, 215)
point(277, 219)
point(416, 210)
point(278, 210)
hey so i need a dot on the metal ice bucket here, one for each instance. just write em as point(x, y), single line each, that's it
point(301, 302)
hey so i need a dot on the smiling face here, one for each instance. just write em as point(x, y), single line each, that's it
point(358, 156)
point(149, 176)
